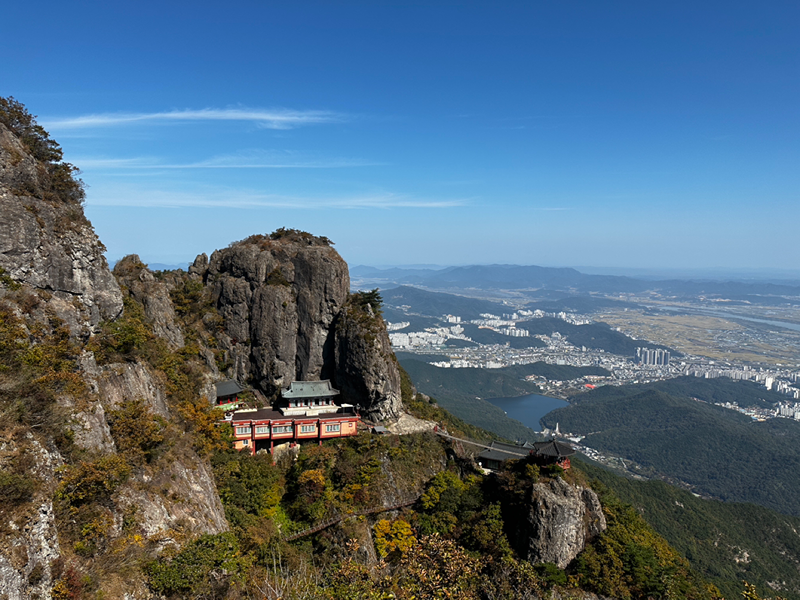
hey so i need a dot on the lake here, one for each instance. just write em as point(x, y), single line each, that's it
point(528, 409)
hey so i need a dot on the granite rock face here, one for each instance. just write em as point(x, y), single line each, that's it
point(50, 245)
point(278, 299)
point(53, 266)
point(561, 518)
point(154, 297)
point(283, 299)
point(31, 546)
point(366, 369)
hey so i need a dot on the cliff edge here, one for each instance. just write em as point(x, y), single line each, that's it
point(46, 241)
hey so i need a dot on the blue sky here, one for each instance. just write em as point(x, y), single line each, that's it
point(628, 134)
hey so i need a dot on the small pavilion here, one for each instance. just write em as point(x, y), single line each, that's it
point(553, 452)
point(308, 398)
point(543, 453)
point(228, 393)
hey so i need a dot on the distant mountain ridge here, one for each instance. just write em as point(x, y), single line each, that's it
point(523, 277)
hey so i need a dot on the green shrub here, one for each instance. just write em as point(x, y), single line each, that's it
point(276, 277)
point(371, 298)
point(250, 483)
point(87, 482)
point(6, 280)
point(126, 336)
point(15, 489)
point(137, 432)
point(550, 574)
point(198, 568)
point(57, 178)
point(187, 297)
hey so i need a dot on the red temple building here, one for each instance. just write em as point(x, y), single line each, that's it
point(306, 412)
point(227, 394)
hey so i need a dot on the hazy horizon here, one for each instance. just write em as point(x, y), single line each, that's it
point(720, 273)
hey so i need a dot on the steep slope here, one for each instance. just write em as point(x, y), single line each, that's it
point(366, 368)
point(47, 243)
point(279, 298)
point(726, 542)
point(95, 470)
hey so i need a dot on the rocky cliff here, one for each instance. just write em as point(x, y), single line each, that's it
point(284, 302)
point(95, 468)
point(278, 296)
point(47, 243)
point(366, 368)
point(561, 518)
point(154, 297)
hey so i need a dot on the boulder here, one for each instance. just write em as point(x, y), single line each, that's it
point(562, 517)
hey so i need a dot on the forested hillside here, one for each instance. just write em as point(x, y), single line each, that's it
point(726, 542)
point(715, 451)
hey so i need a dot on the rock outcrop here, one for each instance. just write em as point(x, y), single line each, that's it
point(278, 298)
point(30, 545)
point(52, 265)
point(49, 245)
point(153, 296)
point(366, 368)
point(562, 517)
point(283, 299)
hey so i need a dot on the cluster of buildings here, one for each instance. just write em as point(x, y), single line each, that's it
point(790, 411)
point(647, 364)
point(307, 412)
point(783, 381)
point(430, 338)
point(782, 386)
point(416, 339)
point(573, 319)
point(490, 320)
point(514, 332)
point(652, 356)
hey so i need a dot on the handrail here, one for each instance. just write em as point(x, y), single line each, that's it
point(446, 435)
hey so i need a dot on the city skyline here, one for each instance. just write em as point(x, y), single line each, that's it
point(450, 134)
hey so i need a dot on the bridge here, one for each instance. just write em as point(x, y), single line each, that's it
point(340, 518)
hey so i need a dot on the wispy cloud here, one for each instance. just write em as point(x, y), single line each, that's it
point(272, 118)
point(254, 160)
point(253, 200)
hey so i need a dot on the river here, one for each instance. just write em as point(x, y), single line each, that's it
point(731, 316)
point(528, 409)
